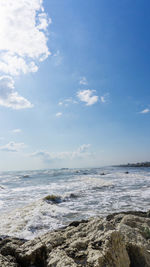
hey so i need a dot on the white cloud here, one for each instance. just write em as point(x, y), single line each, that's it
point(58, 114)
point(12, 147)
point(22, 34)
point(87, 97)
point(43, 21)
point(9, 97)
point(147, 110)
point(13, 65)
point(83, 81)
point(16, 131)
point(80, 152)
point(23, 44)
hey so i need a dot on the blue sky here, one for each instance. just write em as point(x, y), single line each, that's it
point(74, 83)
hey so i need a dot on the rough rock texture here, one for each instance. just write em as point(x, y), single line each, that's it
point(119, 240)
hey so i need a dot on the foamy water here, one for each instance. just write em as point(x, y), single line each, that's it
point(83, 193)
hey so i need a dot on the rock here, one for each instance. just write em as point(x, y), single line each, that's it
point(8, 248)
point(1, 187)
point(26, 176)
point(52, 199)
point(76, 223)
point(72, 195)
point(7, 261)
point(119, 240)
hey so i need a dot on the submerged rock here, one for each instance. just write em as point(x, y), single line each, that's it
point(26, 176)
point(119, 240)
point(1, 187)
point(72, 195)
point(102, 173)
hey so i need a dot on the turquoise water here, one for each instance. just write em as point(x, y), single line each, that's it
point(82, 193)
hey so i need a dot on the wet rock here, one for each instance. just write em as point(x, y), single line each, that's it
point(52, 199)
point(26, 176)
point(1, 187)
point(76, 223)
point(120, 240)
point(7, 261)
point(72, 195)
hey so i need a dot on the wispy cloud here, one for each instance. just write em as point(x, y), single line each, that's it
point(12, 147)
point(9, 97)
point(104, 98)
point(23, 43)
point(17, 131)
point(67, 101)
point(88, 96)
point(58, 114)
point(83, 81)
point(58, 58)
point(144, 111)
point(80, 152)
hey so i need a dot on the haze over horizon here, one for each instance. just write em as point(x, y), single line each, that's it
point(74, 83)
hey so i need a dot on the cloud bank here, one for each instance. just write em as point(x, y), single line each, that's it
point(80, 152)
point(23, 40)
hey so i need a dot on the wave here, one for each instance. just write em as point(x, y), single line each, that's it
point(38, 217)
point(66, 195)
point(32, 220)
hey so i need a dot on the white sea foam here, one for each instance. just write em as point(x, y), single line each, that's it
point(83, 193)
point(32, 220)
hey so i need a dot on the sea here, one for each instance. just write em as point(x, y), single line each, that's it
point(35, 202)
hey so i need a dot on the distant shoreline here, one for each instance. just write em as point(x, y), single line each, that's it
point(139, 164)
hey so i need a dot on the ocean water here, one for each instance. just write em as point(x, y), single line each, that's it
point(82, 193)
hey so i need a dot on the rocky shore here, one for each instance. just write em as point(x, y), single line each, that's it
point(119, 240)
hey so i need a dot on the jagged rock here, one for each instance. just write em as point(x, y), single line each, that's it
point(119, 240)
point(7, 261)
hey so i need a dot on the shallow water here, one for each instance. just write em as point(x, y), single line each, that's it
point(83, 193)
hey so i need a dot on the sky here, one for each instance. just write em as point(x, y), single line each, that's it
point(74, 83)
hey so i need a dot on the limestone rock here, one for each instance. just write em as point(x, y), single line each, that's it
point(7, 261)
point(119, 240)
